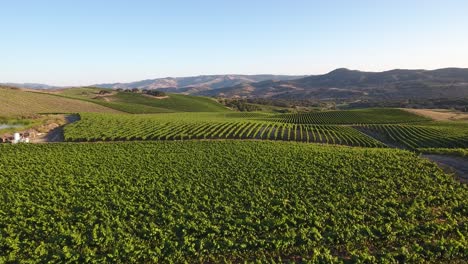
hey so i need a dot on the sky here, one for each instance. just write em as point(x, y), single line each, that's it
point(86, 42)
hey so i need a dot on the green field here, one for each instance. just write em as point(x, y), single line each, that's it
point(137, 103)
point(227, 201)
point(370, 128)
point(360, 116)
point(214, 187)
point(424, 136)
point(461, 152)
point(99, 127)
point(17, 103)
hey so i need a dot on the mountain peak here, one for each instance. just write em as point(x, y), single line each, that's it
point(346, 84)
point(340, 70)
point(344, 73)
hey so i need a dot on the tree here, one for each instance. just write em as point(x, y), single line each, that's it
point(156, 93)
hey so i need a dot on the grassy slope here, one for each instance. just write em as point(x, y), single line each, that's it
point(138, 103)
point(16, 102)
point(176, 102)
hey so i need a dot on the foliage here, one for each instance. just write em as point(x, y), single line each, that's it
point(138, 103)
point(94, 127)
point(241, 105)
point(424, 136)
point(361, 116)
point(155, 93)
point(460, 104)
point(461, 152)
point(175, 102)
point(228, 201)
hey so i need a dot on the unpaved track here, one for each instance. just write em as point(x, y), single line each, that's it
point(450, 164)
point(439, 114)
point(458, 165)
point(56, 134)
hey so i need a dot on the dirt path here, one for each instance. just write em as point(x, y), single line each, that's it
point(56, 134)
point(458, 165)
point(439, 114)
point(450, 164)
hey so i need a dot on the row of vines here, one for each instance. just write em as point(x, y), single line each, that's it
point(119, 128)
point(226, 201)
point(362, 116)
point(413, 137)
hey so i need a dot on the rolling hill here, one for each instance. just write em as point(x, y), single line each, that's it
point(18, 102)
point(357, 85)
point(340, 84)
point(22, 102)
point(137, 103)
point(35, 86)
point(194, 84)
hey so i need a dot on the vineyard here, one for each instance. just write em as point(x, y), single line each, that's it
point(461, 152)
point(226, 201)
point(361, 116)
point(414, 136)
point(331, 128)
point(96, 127)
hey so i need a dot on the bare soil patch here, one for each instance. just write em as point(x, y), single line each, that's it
point(156, 97)
point(440, 114)
point(451, 164)
point(53, 131)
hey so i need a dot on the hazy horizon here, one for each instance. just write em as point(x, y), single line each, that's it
point(195, 75)
point(74, 44)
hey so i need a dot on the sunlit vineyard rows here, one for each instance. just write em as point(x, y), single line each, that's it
point(362, 116)
point(413, 136)
point(97, 127)
point(226, 201)
point(461, 152)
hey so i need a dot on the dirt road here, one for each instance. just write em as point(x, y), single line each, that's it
point(458, 165)
point(56, 134)
point(439, 114)
point(451, 164)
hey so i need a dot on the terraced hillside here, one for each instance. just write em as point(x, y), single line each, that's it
point(229, 201)
point(17, 102)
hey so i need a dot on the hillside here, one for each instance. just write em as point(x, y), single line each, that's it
point(138, 103)
point(35, 86)
point(17, 102)
point(196, 84)
point(357, 85)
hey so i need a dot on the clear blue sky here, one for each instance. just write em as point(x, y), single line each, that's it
point(85, 42)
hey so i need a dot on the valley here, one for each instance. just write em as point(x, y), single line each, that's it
point(125, 176)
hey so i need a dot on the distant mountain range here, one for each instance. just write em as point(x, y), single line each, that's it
point(350, 84)
point(341, 84)
point(35, 86)
point(196, 84)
